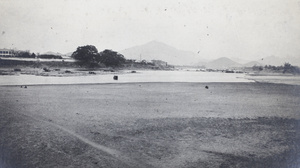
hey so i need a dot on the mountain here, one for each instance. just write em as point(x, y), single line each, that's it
point(68, 54)
point(240, 60)
point(52, 53)
point(272, 60)
point(222, 63)
point(155, 50)
point(276, 61)
point(252, 63)
point(293, 60)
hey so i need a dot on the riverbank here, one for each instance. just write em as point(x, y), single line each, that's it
point(150, 125)
point(275, 78)
point(123, 77)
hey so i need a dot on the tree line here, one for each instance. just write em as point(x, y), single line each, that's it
point(27, 54)
point(286, 68)
point(88, 56)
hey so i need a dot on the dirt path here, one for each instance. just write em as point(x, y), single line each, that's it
point(114, 153)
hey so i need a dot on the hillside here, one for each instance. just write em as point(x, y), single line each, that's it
point(159, 51)
point(222, 63)
point(51, 53)
point(252, 63)
point(272, 60)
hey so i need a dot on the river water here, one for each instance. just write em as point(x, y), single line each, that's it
point(126, 77)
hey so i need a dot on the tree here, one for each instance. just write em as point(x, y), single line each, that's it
point(111, 58)
point(288, 68)
point(257, 68)
point(24, 54)
point(86, 56)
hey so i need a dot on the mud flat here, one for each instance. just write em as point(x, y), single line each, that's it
point(170, 124)
point(281, 79)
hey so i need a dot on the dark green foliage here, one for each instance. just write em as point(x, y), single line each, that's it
point(24, 54)
point(257, 68)
point(46, 69)
point(274, 68)
point(49, 56)
point(33, 55)
point(288, 68)
point(36, 64)
point(86, 56)
point(111, 58)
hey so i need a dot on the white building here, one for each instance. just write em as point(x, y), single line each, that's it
point(6, 53)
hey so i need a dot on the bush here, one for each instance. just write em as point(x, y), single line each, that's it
point(46, 69)
point(49, 56)
point(288, 68)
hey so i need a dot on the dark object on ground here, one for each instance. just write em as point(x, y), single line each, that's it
point(115, 77)
point(67, 71)
point(25, 87)
point(46, 69)
point(229, 71)
point(206, 87)
point(17, 69)
point(107, 70)
point(133, 71)
point(92, 73)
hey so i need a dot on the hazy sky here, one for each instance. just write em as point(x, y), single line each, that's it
point(233, 28)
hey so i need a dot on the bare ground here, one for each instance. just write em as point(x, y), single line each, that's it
point(150, 125)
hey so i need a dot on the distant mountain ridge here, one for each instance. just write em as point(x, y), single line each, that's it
point(222, 63)
point(155, 50)
point(52, 53)
point(252, 63)
point(272, 60)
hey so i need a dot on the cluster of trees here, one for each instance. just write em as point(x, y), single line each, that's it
point(25, 54)
point(89, 56)
point(49, 56)
point(257, 68)
point(286, 68)
point(274, 68)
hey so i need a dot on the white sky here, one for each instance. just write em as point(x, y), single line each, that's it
point(233, 28)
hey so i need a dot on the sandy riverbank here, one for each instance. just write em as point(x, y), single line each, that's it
point(150, 125)
point(124, 77)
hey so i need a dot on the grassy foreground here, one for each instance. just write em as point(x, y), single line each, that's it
point(150, 125)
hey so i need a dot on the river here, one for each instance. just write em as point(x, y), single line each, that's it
point(126, 77)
